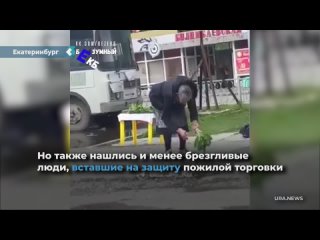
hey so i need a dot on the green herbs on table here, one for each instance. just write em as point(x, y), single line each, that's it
point(203, 140)
point(139, 108)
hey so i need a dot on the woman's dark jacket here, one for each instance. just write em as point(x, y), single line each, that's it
point(163, 96)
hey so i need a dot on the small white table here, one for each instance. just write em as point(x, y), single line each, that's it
point(134, 117)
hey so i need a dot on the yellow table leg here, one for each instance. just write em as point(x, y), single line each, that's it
point(161, 139)
point(67, 138)
point(67, 141)
point(134, 132)
point(150, 132)
point(122, 133)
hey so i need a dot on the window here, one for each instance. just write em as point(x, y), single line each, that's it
point(166, 66)
point(151, 58)
point(106, 60)
point(212, 66)
point(241, 44)
point(208, 50)
point(156, 72)
point(198, 50)
point(143, 73)
point(222, 46)
point(139, 57)
point(172, 53)
point(190, 51)
point(79, 38)
point(173, 68)
point(191, 67)
point(124, 56)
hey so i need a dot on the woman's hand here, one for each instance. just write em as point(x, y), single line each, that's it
point(182, 133)
point(195, 126)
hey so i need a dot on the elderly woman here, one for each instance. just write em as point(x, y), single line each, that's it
point(169, 99)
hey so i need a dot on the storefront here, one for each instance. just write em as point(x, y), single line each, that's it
point(163, 57)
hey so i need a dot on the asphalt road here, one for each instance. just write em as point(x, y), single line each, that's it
point(163, 190)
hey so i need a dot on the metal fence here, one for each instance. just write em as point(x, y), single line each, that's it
point(240, 87)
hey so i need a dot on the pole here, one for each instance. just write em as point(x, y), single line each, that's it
point(204, 57)
point(200, 89)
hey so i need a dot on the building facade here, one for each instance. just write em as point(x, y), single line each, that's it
point(163, 54)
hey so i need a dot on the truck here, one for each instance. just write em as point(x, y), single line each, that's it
point(107, 88)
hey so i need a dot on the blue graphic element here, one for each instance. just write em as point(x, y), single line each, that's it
point(83, 56)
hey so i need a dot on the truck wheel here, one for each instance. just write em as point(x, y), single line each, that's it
point(79, 115)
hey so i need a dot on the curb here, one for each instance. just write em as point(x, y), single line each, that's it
point(127, 138)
